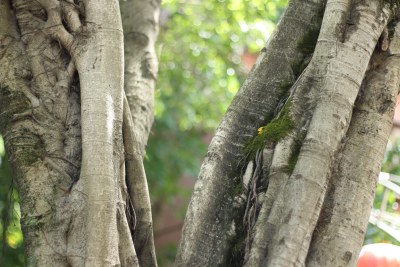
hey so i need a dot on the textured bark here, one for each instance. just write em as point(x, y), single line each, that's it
point(334, 71)
point(40, 125)
point(139, 193)
point(303, 197)
point(140, 22)
point(61, 115)
point(206, 238)
point(342, 224)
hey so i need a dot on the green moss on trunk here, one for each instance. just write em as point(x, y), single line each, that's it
point(279, 127)
point(26, 146)
point(306, 46)
point(11, 103)
point(274, 131)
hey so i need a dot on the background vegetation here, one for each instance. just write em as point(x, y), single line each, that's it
point(201, 49)
point(391, 164)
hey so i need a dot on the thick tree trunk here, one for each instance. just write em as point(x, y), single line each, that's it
point(299, 192)
point(70, 136)
point(140, 23)
point(206, 238)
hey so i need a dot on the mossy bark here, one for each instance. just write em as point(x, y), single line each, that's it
point(212, 210)
point(312, 168)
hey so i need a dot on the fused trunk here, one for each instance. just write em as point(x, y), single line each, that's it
point(298, 191)
point(69, 134)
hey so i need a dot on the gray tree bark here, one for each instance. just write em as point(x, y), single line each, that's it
point(73, 146)
point(298, 192)
point(140, 23)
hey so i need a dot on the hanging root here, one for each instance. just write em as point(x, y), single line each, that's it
point(138, 192)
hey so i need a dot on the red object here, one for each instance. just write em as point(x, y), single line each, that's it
point(379, 255)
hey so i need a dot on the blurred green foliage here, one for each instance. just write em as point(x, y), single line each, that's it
point(200, 46)
point(391, 164)
point(10, 229)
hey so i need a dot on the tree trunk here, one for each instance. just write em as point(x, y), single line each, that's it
point(141, 66)
point(70, 136)
point(298, 191)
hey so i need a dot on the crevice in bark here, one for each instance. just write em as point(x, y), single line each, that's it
point(142, 231)
point(240, 123)
point(357, 168)
point(274, 132)
point(296, 166)
point(237, 237)
point(289, 214)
